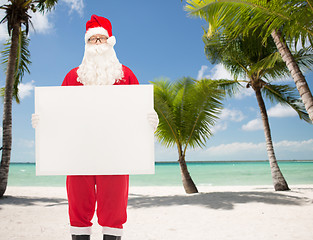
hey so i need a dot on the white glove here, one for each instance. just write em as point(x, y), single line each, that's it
point(153, 120)
point(35, 120)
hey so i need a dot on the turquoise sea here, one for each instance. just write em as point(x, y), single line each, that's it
point(203, 173)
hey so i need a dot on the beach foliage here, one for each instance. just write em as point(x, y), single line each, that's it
point(255, 63)
point(18, 20)
point(22, 62)
point(187, 110)
point(289, 23)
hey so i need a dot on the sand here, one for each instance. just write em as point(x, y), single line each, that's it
point(167, 213)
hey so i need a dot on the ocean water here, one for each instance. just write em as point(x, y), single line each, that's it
point(202, 173)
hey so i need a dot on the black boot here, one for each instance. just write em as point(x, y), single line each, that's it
point(80, 237)
point(110, 237)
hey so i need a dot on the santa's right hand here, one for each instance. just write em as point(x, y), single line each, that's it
point(35, 120)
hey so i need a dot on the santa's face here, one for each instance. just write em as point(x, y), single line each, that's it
point(100, 65)
point(98, 39)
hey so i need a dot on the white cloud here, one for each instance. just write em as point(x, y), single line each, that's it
point(75, 5)
point(41, 22)
point(295, 146)
point(253, 125)
point(219, 126)
point(232, 115)
point(235, 148)
point(26, 89)
point(284, 150)
point(227, 115)
point(281, 111)
point(201, 72)
point(245, 92)
point(217, 72)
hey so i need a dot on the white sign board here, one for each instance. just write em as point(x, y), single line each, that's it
point(94, 130)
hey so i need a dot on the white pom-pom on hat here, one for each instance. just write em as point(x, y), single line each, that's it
point(111, 41)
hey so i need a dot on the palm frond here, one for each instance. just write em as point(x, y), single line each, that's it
point(22, 61)
point(202, 112)
point(230, 87)
point(16, 13)
point(44, 5)
point(187, 109)
point(286, 95)
point(304, 58)
point(271, 66)
point(163, 103)
point(293, 18)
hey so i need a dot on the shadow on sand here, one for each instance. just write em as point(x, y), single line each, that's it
point(30, 201)
point(217, 200)
point(214, 200)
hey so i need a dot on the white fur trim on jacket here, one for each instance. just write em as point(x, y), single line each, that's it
point(94, 31)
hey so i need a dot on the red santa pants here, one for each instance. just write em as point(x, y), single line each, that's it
point(110, 192)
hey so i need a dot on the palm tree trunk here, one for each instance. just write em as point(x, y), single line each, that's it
point(278, 179)
point(295, 72)
point(188, 183)
point(7, 111)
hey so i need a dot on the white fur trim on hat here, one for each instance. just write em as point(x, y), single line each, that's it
point(94, 31)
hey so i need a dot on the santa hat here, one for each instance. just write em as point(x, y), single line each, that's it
point(99, 25)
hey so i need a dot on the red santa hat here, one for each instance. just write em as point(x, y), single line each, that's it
point(99, 25)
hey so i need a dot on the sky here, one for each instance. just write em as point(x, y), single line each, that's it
point(155, 39)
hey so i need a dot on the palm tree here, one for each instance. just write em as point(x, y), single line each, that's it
point(259, 62)
point(291, 20)
point(187, 109)
point(17, 14)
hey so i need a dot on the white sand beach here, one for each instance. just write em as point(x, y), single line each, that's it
point(167, 213)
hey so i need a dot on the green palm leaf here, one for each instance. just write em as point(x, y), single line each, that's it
point(286, 95)
point(163, 101)
point(22, 62)
point(294, 18)
point(187, 109)
point(231, 87)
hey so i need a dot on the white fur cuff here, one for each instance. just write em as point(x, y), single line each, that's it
point(112, 231)
point(80, 230)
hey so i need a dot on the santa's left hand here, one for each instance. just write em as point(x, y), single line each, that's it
point(153, 120)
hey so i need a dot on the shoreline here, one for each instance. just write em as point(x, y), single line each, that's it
point(218, 161)
point(167, 213)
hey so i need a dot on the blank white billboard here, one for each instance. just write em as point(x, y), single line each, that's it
point(94, 130)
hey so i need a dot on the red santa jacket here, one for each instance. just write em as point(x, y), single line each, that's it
point(128, 79)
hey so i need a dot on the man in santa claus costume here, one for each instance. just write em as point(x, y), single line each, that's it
point(99, 66)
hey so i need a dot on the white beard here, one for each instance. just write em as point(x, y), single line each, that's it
point(100, 66)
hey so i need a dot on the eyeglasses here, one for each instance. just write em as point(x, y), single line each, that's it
point(95, 39)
